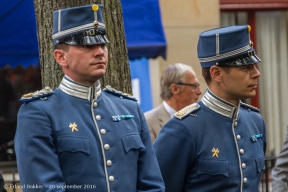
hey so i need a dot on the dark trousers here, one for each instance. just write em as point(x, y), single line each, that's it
point(2, 189)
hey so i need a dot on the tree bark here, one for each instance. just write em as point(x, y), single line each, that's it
point(118, 72)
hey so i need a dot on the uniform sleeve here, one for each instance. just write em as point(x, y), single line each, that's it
point(280, 171)
point(149, 175)
point(36, 155)
point(174, 148)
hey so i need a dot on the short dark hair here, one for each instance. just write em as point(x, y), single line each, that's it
point(226, 68)
point(206, 72)
point(62, 46)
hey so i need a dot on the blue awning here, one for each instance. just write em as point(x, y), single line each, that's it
point(18, 36)
point(143, 28)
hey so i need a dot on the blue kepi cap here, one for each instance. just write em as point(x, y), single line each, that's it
point(81, 25)
point(226, 46)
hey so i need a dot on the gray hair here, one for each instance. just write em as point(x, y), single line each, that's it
point(173, 73)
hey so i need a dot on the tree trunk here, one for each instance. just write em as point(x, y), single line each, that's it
point(118, 72)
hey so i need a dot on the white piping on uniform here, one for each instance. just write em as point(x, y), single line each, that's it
point(102, 149)
point(217, 44)
point(239, 159)
point(95, 15)
point(75, 29)
point(59, 21)
point(218, 106)
point(70, 87)
point(225, 55)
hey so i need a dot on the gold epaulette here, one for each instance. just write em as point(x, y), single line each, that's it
point(186, 111)
point(42, 94)
point(113, 91)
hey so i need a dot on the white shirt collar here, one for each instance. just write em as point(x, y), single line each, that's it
point(169, 109)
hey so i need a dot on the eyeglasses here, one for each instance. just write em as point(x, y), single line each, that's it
point(194, 86)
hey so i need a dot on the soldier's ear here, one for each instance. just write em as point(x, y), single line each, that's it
point(60, 57)
point(216, 73)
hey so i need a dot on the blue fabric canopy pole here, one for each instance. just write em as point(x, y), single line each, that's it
point(18, 35)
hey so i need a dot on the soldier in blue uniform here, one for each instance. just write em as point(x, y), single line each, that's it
point(217, 144)
point(79, 137)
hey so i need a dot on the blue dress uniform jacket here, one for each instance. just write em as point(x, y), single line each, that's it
point(69, 142)
point(212, 146)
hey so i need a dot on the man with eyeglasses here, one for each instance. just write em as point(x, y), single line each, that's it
point(218, 143)
point(179, 87)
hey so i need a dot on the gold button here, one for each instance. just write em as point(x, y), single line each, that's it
point(95, 7)
point(249, 28)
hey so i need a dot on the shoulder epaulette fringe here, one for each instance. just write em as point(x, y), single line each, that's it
point(250, 107)
point(186, 111)
point(113, 91)
point(42, 94)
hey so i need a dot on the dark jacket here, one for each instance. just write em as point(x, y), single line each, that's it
point(2, 188)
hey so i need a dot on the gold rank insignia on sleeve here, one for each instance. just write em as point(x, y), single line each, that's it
point(42, 94)
point(186, 111)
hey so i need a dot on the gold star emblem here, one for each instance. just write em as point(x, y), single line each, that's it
point(73, 127)
point(215, 152)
